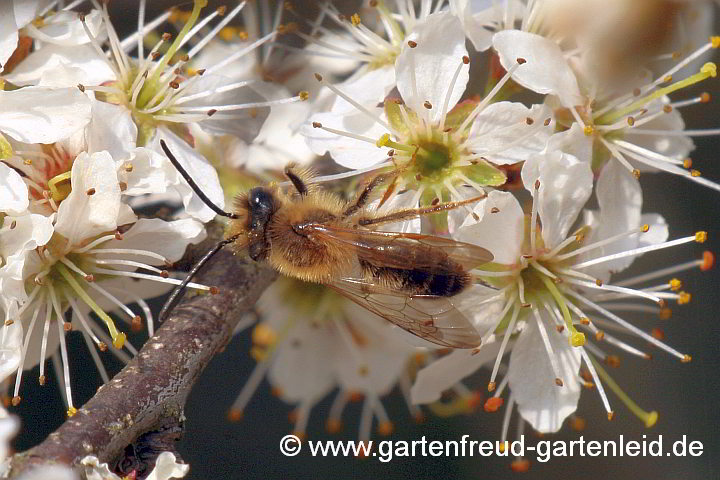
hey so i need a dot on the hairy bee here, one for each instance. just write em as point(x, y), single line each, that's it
point(311, 234)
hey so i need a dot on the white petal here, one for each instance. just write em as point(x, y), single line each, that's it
point(111, 129)
point(83, 60)
point(565, 185)
point(151, 172)
point(13, 191)
point(43, 115)
point(11, 337)
point(502, 233)
point(82, 216)
point(201, 171)
point(94, 470)
point(540, 401)
point(502, 135)
point(546, 70)
point(620, 200)
point(442, 374)
point(367, 89)
point(52, 472)
point(166, 468)
point(440, 50)
point(65, 28)
point(348, 152)
point(169, 239)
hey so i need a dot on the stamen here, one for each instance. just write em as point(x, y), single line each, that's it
point(534, 215)
point(43, 345)
point(64, 355)
point(506, 337)
point(155, 278)
point(576, 339)
point(589, 363)
point(506, 421)
point(96, 358)
point(648, 418)
point(548, 348)
point(637, 251)
point(601, 243)
point(118, 338)
point(352, 102)
point(450, 89)
point(207, 38)
point(21, 367)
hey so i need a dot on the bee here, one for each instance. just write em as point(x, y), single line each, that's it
point(311, 234)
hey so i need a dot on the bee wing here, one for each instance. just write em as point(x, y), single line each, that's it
point(402, 250)
point(433, 318)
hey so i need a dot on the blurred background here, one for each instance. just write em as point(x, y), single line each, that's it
point(685, 395)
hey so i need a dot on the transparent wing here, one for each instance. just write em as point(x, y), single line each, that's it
point(433, 318)
point(404, 250)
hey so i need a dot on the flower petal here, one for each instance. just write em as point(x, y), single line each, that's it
point(42, 114)
point(166, 468)
point(11, 337)
point(546, 70)
point(424, 73)
point(532, 382)
point(13, 191)
point(111, 129)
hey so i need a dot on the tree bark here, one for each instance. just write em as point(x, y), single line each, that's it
point(149, 394)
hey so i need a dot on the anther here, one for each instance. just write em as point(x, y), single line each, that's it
point(81, 87)
point(67, 326)
point(611, 415)
point(333, 425)
point(585, 321)
point(598, 282)
point(529, 121)
point(200, 72)
point(494, 210)
point(675, 284)
point(521, 60)
point(427, 105)
point(636, 92)
point(667, 108)
point(559, 382)
point(667, 79)
point(166, 37)
point(165, 274)
point(90, 191)
point(412, 44)
point(41, 379)
point(71, 411)
point(708, 261)
point(466, 60)
point(385, 428)
point(599, 335)
point(303, 95)
point(174, 85)
point(686, 358)
point(588, 130)
point(214, 290)
point(355, 19)
point(695, 173)
point(318, 77)
point(221, 10)
point(560, 328)
point(520, 465)
point(136, 324)
point(525, 305)
point(537, 184)
point(128, 167)
point(118, 236)
point(612, 361)
point(211, 112)
point(631, 121)
point(491, 386)
point(636, 173)
point(492, 404)
point(547, 121)
point(701, 237)
point(684, 298)
point(16, 400)
point(102, 346)
point(665, 313)
point(155, 55)
point(317, 125)
point(577, 423)
point(9, 322)
point(123, 186)
point(657, 333)
point(13, 224)
point(435, 201)
point(89, 278)
point(687, 163)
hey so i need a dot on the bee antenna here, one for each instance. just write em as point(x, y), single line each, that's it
point(192, 183)
point(176, 293)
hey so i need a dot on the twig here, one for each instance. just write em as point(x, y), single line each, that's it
point(149, 393)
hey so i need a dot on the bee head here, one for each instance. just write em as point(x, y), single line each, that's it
point(253, 210)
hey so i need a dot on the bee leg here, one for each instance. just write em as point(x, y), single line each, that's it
point(416, 212)
point(298, 182)
point(363, 197)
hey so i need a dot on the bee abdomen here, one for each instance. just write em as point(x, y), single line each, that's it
point(420, 282)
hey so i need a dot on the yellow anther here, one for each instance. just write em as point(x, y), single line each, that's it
point(304, 95)
point(263, 335)
point(701, 237)
point(577, 339)
point(675, 284)
point(715, 41)
point(636, 173)
point(686, 358)
point(382, 141)
point(684, 298)
point(227, 33)
point(709, 68)
point(651, 419)
point(27, 161)
point(588, 130)
point(695, 173)
point(243, 35)
point(687, 163)
point(119, 340)
point(355, 19)
point(385, 428)
point(71, 411)
point(645, 228)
